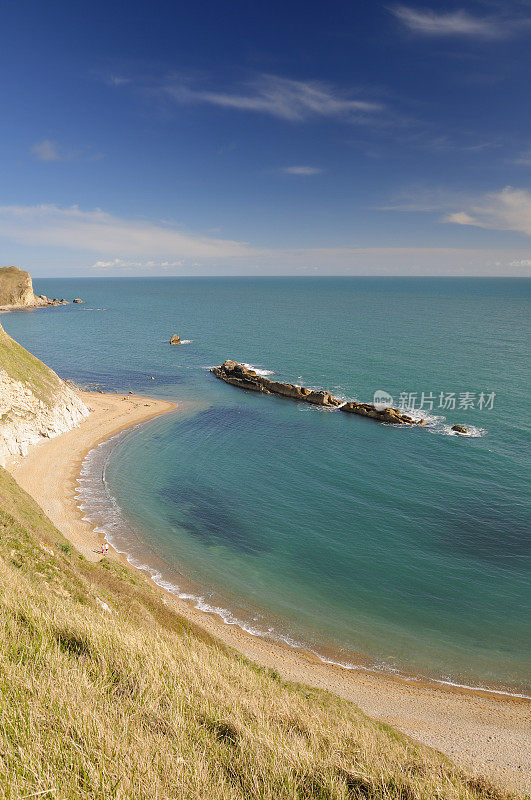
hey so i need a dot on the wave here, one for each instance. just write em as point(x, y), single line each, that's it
point(258, 370)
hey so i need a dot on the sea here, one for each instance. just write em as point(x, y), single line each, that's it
point(401, 549)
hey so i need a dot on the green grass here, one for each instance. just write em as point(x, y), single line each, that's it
point(23, 366)
point(131, 701)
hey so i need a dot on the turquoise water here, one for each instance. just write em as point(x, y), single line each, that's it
point(398, 548)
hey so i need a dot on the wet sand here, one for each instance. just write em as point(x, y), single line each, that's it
point(485, 733)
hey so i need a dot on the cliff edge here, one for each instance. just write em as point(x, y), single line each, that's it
point(34, 401)
point(16, 290)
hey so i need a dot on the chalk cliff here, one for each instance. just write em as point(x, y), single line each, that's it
point(34, 401)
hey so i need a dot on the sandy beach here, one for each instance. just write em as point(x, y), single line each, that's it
point(485, 733)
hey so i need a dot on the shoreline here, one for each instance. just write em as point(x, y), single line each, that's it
point(481, 730)
point(140, 556)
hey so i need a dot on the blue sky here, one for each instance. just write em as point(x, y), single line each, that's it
point(266, 138)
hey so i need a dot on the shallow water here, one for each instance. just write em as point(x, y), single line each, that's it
point(408, 545)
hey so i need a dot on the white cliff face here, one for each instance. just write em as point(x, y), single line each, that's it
point(25, 419)
point(34, 402)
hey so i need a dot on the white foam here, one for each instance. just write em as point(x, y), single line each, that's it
point(472, 432)
point(439, 425)
point(186, 341)
point(258, 370)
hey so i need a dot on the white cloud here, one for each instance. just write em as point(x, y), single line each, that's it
point(139, 247)
point(122, 264)
point(48, 151)
point(302, 170)
point(279, 97)
point(99, 232)
point(508, 210)
point(520, 262)
point(455, 23)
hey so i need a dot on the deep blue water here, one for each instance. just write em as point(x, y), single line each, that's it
point(408, 545)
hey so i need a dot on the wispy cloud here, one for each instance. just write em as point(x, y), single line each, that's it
point(507, 210)
point(116, 80)
point(457, 23)
point(302, 170)
point(126, 265)
point(48, 151)
point(278, 97)
point(99, 232)
point(420, 198)
point(122, 245)
point(524, 159)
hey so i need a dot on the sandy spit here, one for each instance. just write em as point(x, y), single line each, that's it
point(485, 733)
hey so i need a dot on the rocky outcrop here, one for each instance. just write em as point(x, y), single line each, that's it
point(239, 375)
point(175, 339)
point(34, 402)
point(459, 429)
point(16, 290)
point(392, 415)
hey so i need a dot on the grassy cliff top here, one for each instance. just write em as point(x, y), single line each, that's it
point(107, 693)
point(23, 366)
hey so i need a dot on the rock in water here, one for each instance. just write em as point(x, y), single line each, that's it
point(245, 378)
point(175, 339)
point(77, 300)
point(459, 429)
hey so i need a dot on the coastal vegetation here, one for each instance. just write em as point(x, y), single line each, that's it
point(20, 365)
point(107, 693)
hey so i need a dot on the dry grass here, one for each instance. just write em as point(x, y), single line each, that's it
point(131, 702)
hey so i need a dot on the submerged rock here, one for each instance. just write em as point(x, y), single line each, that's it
point(175, 339)
point(245, 378)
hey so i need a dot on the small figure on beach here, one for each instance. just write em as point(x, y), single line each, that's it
point(106, 548)
point(103, 549)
